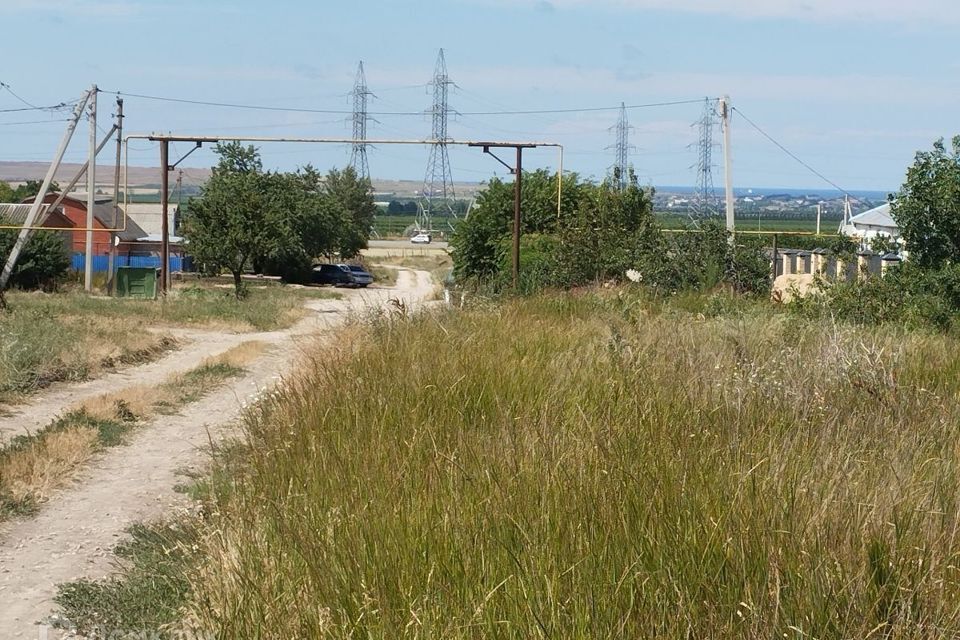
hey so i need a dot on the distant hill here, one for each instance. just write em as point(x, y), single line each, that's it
point(16, 172)
point(136, 176)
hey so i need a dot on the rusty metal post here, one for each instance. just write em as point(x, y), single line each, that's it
point(516, 218)
point(164, 206)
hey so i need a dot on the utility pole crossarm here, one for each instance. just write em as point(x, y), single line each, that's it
point(517, 171)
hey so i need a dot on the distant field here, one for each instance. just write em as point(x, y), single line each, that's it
point(764, 224)
point(394, 226)
point(70, 336)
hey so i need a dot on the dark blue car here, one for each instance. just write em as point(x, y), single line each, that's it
point(335, 274)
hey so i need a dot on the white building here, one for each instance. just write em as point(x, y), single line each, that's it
point(870, 224)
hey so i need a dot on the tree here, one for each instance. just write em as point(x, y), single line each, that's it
point(42, 263)
point(311, 226)
point(608, 232)
point(44, 260)
point(927, 207)
point(350, 201)
point(233, 222)
point(478, 241)
point(31, 188)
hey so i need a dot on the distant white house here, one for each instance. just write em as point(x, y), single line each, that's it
point(870, 224)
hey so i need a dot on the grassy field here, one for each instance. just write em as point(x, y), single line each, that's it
point(764, 224)
point(33, 466)
point(70, 336)
point(438, 263)
point(395, 226)
point(593, 465)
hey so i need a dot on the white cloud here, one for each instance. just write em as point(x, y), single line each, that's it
point(599, 86)
point(933, 11)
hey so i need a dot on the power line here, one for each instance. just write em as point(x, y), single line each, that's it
point(29, 105)
point(622, 148)
point(438, 191)
point(11, 124)
point(55, 107)
point(795, 156)
point(507, 112)
point(361, 117)
point(10, 91)
point(705, 202)
point(628, 107)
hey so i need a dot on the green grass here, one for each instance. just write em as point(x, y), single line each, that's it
point(598, 466)
point(389, 226)
point(195, 384)
point(26, 459)
point(43, 341)
point(34, 465)
point(382, 276)
point(765, 224)
point(70, 336)
point(438, 263)
point(149, 594)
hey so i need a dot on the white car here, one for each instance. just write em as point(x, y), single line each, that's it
point(421, 238)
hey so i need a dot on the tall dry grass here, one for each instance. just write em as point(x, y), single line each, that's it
point(590, 467)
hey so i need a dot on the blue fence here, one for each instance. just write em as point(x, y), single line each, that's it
point(100, 263)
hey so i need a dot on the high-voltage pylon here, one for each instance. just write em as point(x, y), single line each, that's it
point(621, 167)
point(438, 196)
point(358, 154)
point(705, 202)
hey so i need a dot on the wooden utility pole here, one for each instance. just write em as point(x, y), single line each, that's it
point(91, 196)
point(35, 209)
point(728, 164)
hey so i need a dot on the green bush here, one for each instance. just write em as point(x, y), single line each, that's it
point(602, 233)
point(43, 262)
point(292, 266)
point(908, 295)
point(537, 262)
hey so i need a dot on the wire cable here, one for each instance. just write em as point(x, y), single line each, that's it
point(54, 107)
point(796, 157)
point(29, 105)
point(234, 105)
point(520, 112)
point(11, 92)
point(11, 124)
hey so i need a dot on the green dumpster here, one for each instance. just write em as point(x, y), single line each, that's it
point(137, 282)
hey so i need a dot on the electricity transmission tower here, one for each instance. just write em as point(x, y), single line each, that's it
point(621, 167)
point(705, 202)
point(438, 196)
point(361, 95)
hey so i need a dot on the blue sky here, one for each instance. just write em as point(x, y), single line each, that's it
point(854, 87)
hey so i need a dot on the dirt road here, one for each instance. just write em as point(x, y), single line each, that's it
point(74, 533)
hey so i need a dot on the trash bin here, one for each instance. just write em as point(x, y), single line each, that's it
point(137, 282)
